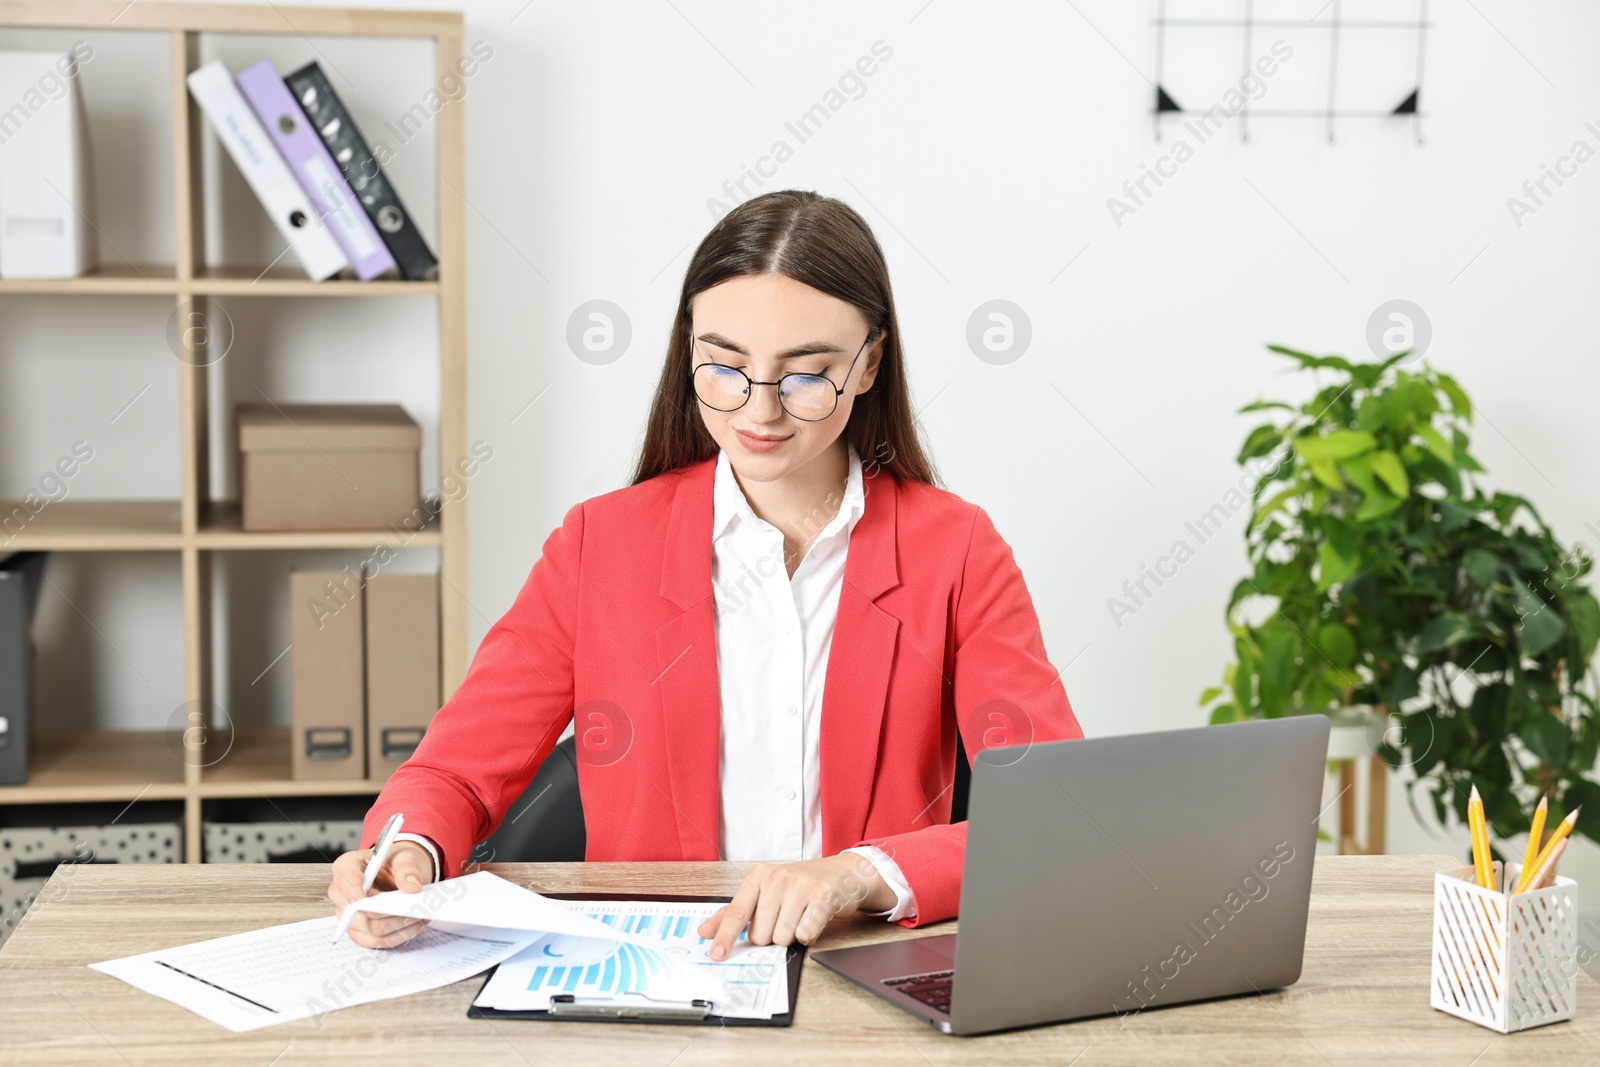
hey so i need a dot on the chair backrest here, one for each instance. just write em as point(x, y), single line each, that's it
point(545, 823)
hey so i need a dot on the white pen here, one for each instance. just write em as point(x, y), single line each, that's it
point(380, 851)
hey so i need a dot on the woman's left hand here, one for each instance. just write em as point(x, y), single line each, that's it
point(787, 902)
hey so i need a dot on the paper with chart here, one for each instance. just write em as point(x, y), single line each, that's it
point(283, 973)
point(755, 978)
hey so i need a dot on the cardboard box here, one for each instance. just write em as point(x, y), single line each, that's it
point(402, 666)
point(328, 466)
point(328, 737)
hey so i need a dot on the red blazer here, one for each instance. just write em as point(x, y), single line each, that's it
point(936, 631)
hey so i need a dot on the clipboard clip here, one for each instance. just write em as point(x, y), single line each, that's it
point(570, 1006)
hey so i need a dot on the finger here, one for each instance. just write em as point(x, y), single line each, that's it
point(388, 938)
point(712, 924)
point(790, 913)
point(409, 869)
point(812, 922)
point(773, 894)
point(737, 913)
point(344, 884)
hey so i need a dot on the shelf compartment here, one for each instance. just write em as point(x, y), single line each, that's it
point(257, 764)
point(89, 765)
point(222, 527)
point(93, 526)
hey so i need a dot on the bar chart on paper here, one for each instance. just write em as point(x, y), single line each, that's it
point(664, 951)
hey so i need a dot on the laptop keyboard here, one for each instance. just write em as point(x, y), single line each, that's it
point(932, 989)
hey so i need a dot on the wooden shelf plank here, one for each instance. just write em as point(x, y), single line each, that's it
point(146, 279)
point(221, 527)
point(127, 279)
point(291, 281)
point(257, 764)
point(90, 765)
point(227, 18)
point(91, 526)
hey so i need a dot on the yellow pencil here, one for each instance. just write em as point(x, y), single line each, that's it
point(1481, 864)
point(1545, 876)
point(1530, 858)
point(1561, 831)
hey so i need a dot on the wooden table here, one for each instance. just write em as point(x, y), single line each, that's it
point(1363, 996)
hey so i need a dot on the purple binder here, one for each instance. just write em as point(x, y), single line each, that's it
point(316, 171)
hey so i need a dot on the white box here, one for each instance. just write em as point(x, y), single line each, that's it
point(1507, 963)
point(46, 182)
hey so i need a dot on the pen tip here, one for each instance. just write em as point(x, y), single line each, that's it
point(1475, 793)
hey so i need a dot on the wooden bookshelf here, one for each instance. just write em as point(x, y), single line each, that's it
point(99, 765)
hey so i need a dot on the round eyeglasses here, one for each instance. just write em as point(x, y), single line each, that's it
point(807, 397)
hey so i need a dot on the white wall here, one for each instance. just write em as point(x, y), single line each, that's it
point(983, 151)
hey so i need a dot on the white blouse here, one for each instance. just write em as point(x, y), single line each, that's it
point(773, 633)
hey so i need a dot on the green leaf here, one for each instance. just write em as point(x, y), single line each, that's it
point(1225, 713)
point(1280, 648)
point(1444, 631)
point(1340, 444)
point(1481, 566)
point(1336, 642)
point(1332, 568)
point(1376, 505)
point(1262, 439)
point(1387, 466)
point(1267, 405)
point(1326, 473)
point(1435, 442)
point(1541, 629)
point(1546, 737)
point(1458, 399)
point(1359, 470)
point(1307, 360)
point(1211, 694)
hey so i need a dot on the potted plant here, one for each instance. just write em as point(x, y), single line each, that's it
point(1384, 577)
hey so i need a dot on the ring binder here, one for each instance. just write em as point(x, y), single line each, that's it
point(569, 1006)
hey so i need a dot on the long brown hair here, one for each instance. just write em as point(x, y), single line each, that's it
point(820, 242)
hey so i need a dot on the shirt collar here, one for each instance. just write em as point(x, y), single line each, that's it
point(728, 501)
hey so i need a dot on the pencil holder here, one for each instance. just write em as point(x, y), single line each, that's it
point(1508, 963)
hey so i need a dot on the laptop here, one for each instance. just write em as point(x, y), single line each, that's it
point(1117, 875)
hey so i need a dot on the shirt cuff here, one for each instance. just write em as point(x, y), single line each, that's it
point(905, 903)
point(425, 843)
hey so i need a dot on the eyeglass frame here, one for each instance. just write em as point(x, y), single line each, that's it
point(838, 390)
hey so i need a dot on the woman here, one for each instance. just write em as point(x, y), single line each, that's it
point(770, 638)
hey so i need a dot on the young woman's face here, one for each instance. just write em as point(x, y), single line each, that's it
point(769, 325)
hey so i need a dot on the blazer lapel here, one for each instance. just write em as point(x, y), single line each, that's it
point(854, 692)
point(686, 665)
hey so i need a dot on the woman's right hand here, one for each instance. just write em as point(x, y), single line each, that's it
point(407, 868)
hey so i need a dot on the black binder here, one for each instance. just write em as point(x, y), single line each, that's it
point(698, 1014)
point(21, 577)
point(360, 168)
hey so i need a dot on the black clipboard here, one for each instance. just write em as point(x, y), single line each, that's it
point(688, 1015)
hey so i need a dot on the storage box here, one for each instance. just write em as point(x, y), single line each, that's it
point(77, 833)
point(402, 612)
point(328, 467)
point(328, 735)
point(281, 829)
point(1507, 963)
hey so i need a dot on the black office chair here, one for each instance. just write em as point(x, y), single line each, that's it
point(545, 823)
